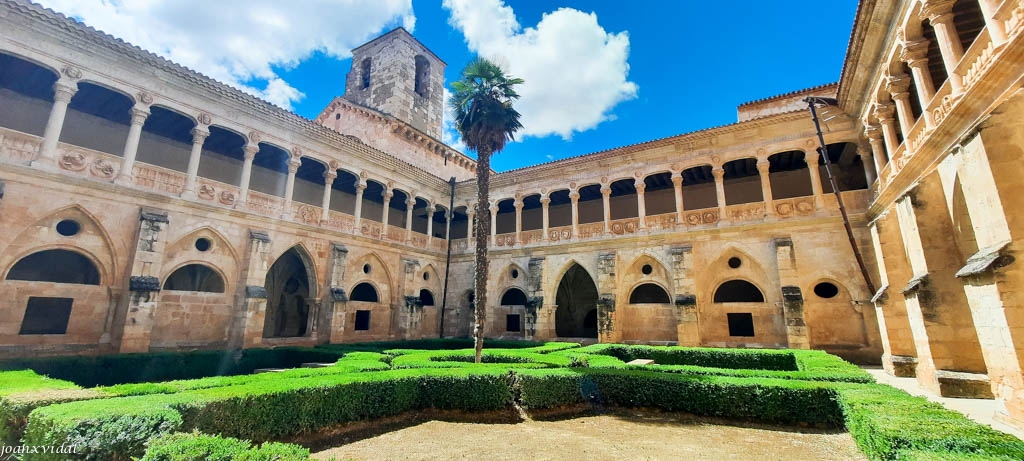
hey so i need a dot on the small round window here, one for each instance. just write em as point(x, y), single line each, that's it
point(735, 262)
point(426, 276)
point(68, 227)
point(515, 273)
point(366, 268)
point(203, 244)
point(647, 269)
point(826, 290)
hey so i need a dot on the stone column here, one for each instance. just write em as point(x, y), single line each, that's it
point(939, 14)
point(719, 175)
point(874, 135)
point(63, 90)
point(144, 281)
point(430, 222)
point(606, 194)
point(864, 152)
point(494, 221)
point(641, 206)
point(545, 201)
point(884, 114)
point(330, 174)
point(360, 187)
point(915, 54)
point(289, 185)
point(410, 203)
point(811, 158)
point(996, 27)
point(518, 204)
point(199, 135)
point(899, 87)
point(763, 167)
point(386, 210)
point(139, 112)
point(248, 154)
point(677, 184)
point(470, 215)
point(574, 197)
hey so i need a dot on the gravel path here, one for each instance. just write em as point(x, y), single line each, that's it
point(604, 437)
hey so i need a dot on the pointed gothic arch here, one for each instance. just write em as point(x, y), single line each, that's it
point(576, 301)
point(290, 285)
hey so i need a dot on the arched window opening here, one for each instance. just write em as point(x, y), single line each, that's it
point(397, 208)
point(505, 218)
point(659, 194)
point(29, 87)
point(742, 181)
point(440, 222)
point(166, 139)
point(560, 209)
point(373, 202)
point(533, 213)
point(97, 119)
point(460, 223)
point(57, 266)
point(426, 297)
point(738, 291)
point(309, 182)
point(422, 76)
point(590, 207)
point(622, 199)
point(364, 73)
point(649, 293)
point(576, 298)
point(847, 167)
point(365, 292)
point(288, 292)
point(195, 277)
point(343, 193)
point(222, 156)
point(513, 297)
point(699, 188)
point(788, 175)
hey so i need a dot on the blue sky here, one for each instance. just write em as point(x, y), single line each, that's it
point(649, 70)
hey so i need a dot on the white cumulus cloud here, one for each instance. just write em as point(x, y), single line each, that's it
point(240, 42)
point(575, 72)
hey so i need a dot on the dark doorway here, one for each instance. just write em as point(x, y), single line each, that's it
point(576, 316)
point(287, 297)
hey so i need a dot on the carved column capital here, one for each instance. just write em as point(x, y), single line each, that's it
point(718, 172)
point(64, 89)
point(898, 86)
point(199, 135)
point(884, 112)
point(873, 132)
point(249, 151)
point(935, 10)
point(139, 113)
point(518, 204)
point(545, 200)
point(640, 186)
point(360, 185)
point(574, 195)
point(330, 176)
point(294, 164)
point(410, 201)
point(763, 166)
point(605, 190)
point(915, 53)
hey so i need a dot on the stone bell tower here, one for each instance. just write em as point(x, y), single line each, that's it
point(396, 74)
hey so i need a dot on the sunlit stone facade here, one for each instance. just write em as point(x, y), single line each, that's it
point(146, 207)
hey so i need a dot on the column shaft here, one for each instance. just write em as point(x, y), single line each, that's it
point(131, 145)
point(677, 184)
point(719, 175)
point(199, 135)
point(64, 90)
point(325, 203)
point(249, 154)
point(641, 205)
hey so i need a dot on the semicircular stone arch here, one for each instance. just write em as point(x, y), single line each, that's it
point(89, 237)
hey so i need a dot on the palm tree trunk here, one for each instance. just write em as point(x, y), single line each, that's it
point(483, 234)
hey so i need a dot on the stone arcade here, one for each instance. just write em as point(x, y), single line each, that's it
point(146, 207)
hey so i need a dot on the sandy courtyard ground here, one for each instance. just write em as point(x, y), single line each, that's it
point(603, 437)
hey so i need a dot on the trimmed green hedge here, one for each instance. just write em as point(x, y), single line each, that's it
point(195, 446)
point(785, 386)
point(887, 422)
point(106, 370)
point(419, 345)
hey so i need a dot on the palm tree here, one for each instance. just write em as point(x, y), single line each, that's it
point(482, 103)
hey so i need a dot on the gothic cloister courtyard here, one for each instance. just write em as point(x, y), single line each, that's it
point(188, 271)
